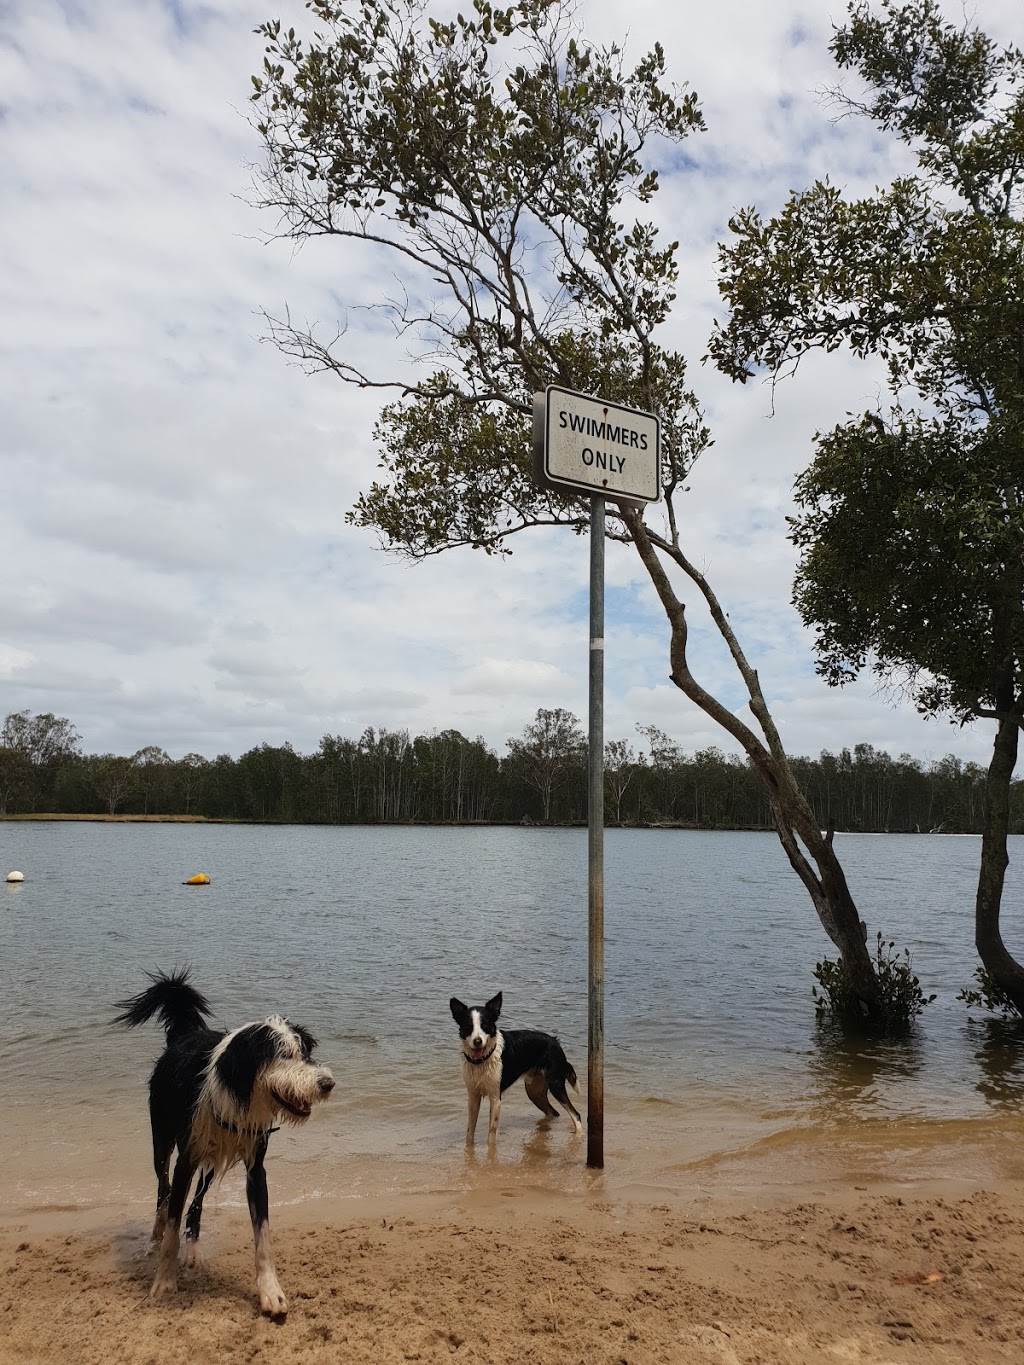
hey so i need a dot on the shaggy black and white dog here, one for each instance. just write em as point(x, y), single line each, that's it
point(216, 1097)
point(493, 1060)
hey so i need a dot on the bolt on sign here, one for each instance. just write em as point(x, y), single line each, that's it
point(596, 447)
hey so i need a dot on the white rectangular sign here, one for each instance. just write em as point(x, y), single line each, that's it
point(596, 447)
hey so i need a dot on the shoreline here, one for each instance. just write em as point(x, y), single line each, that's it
point(663, 825)
point(129, 817)
point(57, 817)
point(927, 1273)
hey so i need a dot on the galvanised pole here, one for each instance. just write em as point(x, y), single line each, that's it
point(595, 846)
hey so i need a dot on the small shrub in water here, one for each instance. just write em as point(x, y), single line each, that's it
point(901, 996)
point(990, 996)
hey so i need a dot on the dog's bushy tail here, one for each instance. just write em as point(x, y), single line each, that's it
point(179, 1006)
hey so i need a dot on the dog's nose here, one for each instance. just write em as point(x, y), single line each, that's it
point(326, 1084)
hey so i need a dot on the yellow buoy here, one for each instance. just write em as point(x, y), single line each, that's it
point(200, 879)
point(15, 876)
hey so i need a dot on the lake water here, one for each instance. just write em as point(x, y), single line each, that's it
point(717, 1076)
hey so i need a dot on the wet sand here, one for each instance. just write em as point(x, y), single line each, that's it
point(503, 1276)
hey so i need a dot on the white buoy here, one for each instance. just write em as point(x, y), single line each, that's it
point(15, 876)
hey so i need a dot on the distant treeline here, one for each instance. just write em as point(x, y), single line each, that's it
point(386, 776)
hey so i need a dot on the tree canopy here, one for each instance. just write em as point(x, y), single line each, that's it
point(442, 777)
point(911, 523)
point(499, 160)
point(911, 557)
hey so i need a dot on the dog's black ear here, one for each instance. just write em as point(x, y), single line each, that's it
point(458, 1009)
point(493, 1005)
point(306, 1041)
point(248, 1051)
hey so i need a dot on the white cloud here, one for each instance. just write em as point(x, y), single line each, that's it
point(526, 678)
point(13, 660)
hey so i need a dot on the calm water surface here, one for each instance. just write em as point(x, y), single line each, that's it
point(717, 1075)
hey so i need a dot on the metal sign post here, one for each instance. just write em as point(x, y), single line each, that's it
point(595, 847)
point(584, 444)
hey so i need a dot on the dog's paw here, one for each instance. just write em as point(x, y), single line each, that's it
point(272, 1298)
point(191, 1255)
point(164, 1286)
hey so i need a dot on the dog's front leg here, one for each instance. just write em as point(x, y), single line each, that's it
point(474, 1114)
point(492, 1123)
point(272, 1299)
point(165, 1282)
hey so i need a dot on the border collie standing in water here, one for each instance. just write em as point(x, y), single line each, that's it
point(216, 1097)
point(492, 1061)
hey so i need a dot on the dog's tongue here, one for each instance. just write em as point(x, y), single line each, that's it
point(477, 1052)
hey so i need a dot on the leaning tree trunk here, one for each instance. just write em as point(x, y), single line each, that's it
point(1005, 971)
point(825, 880)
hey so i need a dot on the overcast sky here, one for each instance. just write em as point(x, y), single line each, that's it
point(176, 569)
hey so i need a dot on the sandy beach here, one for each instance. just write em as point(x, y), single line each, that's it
point(514, 1279)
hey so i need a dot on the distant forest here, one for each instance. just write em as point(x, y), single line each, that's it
point(387, 776)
